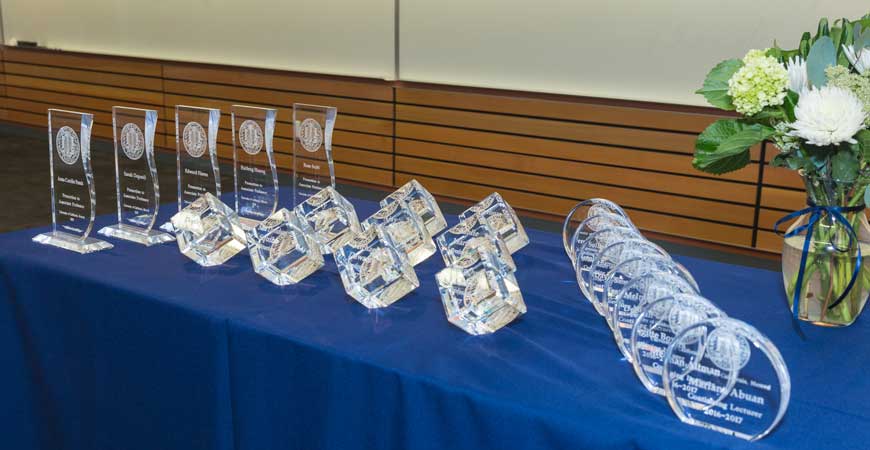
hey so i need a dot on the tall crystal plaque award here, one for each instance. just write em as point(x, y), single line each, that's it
point(255, 175)
point(138, 191)
point(724, 375)
point(196, 132)
point(313, 168)
point(73, 195)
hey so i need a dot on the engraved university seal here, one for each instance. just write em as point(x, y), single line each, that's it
point(251, 137)
point(67, 144)
point(194, 139)
point(132, 141)
point(727, 349)
point(310, 135)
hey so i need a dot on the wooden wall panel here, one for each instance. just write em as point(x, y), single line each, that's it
point(782, 192)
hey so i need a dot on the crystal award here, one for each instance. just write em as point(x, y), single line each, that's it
point(373, 270)
point(136, 185)
point(586, 252)
point(422, 203)
point(503, 220)
point(724, 375)
point(254, 171)
point(585, 210)
point(332, 218)
point(283, 249)
point(596, 222)
point(641, 290)
point(197, 168)
point(313, 169)
point(406, 230)
point(208, 231)
point(469, 235)
point(73, 195)
point(655, 328)
point(610, 257)
point(480, 293)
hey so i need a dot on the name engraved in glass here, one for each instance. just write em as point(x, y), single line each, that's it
point(313, 168)
point(255, 174)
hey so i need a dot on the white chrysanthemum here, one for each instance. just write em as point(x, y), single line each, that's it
point(828, 116)
point(798, 81)
point(860, 60)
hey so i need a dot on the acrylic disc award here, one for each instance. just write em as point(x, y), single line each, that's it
point(584, 210)
point(724, 375)
point(610, 257)
point(136, 184)
point(73, 194)
point(585, 253)
point(655, 328)
point(593, 223)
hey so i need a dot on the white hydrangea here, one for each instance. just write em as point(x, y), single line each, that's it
point(828, 116)
point(761, 82)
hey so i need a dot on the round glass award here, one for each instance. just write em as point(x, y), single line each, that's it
point(637, 293)
point(585, 253)
point(724, 375)
point(610, 257)
point(591, 224)
point(584, 210)
point(655, 328)
point(631, 268)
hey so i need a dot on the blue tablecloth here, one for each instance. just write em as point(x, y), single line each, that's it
point(140, 348)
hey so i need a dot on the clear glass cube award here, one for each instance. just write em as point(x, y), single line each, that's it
point(421, 203)
point(283, 249)
point(655, 328)
point(641, 290)
point(331, 216)
point(254, 171)
point(469, 235)
point(208, 231)
point(480, 292)
point(374, 271)
point(136, 184)
point(499, 215)
point(586, 252)
point(406, 230)
point(577, 220)
point(724, 375)
point(313, 168)
point(609, 258)
point(197, 167)
point(73, 194)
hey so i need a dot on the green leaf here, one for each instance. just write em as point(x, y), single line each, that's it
point(822, 55)
point(724, 145)
point(823, 28)
point(715, 88)
point(780, 160)
point(789, 104)
point(844, 165)
point(863, 138)
point(804, 47)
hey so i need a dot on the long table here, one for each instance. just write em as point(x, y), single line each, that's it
point(140, 348)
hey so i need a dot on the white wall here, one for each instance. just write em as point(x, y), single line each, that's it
point(656, 50)
point(347, 37)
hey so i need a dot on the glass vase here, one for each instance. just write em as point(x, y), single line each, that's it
point(831, 256)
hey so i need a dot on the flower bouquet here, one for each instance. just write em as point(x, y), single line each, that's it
point(813, 104)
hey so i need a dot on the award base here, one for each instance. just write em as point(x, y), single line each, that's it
point(136, 234)
point(71, 242)
point(167, 227)
point(248, 224)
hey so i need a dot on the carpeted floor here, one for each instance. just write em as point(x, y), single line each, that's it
point(25, 198)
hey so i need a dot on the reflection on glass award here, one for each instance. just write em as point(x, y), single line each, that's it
point(283, 249)
point(73, 195)
point(421, 203)
point(596, 222)
point(313, 169)
point(585, 253)
point(633, 267)
point(198, 173)
point(610, 257)
point(480, 293)
point(655, 328)
point(469, 235)
point(254, 171)
point(406, 229)
point(724, 375)
point(585, 210)
point(637, 293)
point(208, 231)
point(331, 216)
point(499, 215)
point(373, 270)
point(138, 191)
